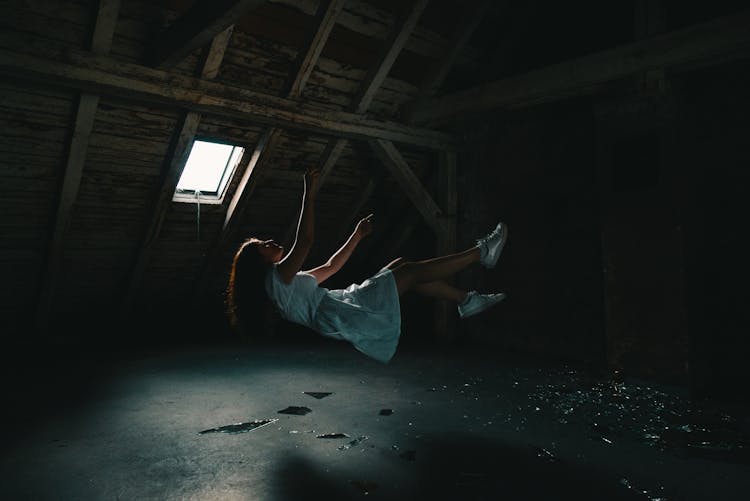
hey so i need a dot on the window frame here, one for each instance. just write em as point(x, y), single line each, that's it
point(213, 197)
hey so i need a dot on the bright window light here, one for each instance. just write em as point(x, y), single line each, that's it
point(207, 171)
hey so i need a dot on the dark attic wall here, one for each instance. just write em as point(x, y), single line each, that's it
point(534, 170)
point(627, 217)
point(673, 186)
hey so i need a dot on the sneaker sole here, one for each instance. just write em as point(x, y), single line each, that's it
point(504, 227)
point(480, 310)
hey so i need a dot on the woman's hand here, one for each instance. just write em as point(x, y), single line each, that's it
point(312, 176)
point(364, 226)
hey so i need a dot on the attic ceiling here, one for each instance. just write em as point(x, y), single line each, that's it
point(101, 101)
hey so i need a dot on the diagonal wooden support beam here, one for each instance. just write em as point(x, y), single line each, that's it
point(250, 178)
point(79, 70)
point(326, 16)
point(713, 42)
point(391, 49)
point(327, 12)
point(410, 183)
point(176, 160)
point(196, 28)
point(101, 42)
point(459, 40)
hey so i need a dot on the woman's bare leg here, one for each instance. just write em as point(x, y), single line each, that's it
point(442, 290)
point(408, 274)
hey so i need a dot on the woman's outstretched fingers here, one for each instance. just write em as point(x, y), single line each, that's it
point(312, 177)
point(364, 226)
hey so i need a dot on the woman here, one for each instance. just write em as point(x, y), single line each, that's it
point(367, 314)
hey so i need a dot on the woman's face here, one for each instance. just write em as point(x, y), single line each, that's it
point(270, 250)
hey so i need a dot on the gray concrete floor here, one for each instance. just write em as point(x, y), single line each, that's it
point(465, 425)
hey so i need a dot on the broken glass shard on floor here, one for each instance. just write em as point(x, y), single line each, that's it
point(239, 427)
point(296, 410)
point(333, 435)
point(318, 394)
point(354, 442)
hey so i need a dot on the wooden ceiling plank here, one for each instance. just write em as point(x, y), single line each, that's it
point(327, 14)
point(250, 177)
point(101, 42)
point(175, 161)
point(359, 17)
point(701, 45)
point(391, 49)
point(410, 183)
point(78, 70)
point(196, 28)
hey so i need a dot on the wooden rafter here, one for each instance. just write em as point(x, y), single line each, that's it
point(410, 183)
point(250, 178)
point(196, 28)
point(184, 138)
point(392, 47)
point(307, 59)
point(368, 18)
point(78, 70)
point(459, 40)
point(708, 43)
point(325, 19)
point(101, 42)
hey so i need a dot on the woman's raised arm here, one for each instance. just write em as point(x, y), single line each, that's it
point(303, 240)
point(341, 256)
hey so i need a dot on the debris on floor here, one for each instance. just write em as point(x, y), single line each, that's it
point(318, 394)
point(386, 412)
point(296, 410)
point(333, 435)
point(546, 455)
point(240, 427)
point(354, 442)
point(616, 408)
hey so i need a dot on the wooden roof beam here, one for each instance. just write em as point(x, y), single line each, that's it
point(101, 42)
point(459, 40)
point(175, 163)
point(391, 49)
point(410, 183)
point(705, 44)
point(196, 28)
point(327, 13)
point(79, 70)
point(371, 20)
point(307, 58)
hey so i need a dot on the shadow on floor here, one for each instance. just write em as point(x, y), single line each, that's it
point(457, 468)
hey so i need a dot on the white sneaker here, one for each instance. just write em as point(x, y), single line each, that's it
point(492, 245)
point(477, 303)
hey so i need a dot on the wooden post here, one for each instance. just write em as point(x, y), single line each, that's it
point(101, 42)
point(447, 198)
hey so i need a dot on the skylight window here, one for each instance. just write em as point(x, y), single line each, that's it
point(207, 172)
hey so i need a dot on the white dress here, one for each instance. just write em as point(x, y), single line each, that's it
point(368, 315)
